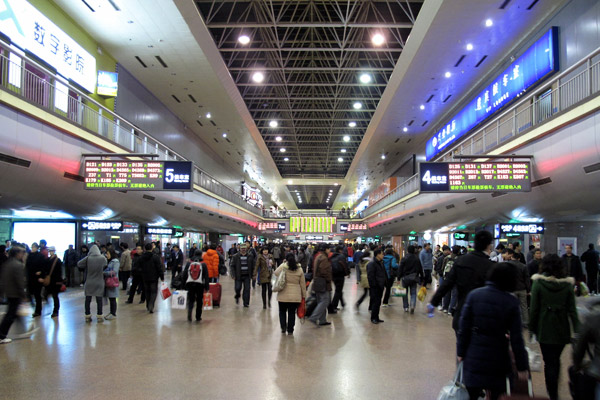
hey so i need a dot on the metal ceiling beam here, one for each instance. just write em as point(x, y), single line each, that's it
point(298, 110)
point(317, 69)
point(373, 25)
point(316, 128)
point(311, 49)
point(313, 119)
point(309, 84)
point(298, 97)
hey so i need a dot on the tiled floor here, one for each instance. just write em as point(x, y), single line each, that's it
point(234, 353)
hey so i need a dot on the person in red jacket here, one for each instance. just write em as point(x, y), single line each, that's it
point(211, 259)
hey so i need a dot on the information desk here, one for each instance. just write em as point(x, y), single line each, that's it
point(461, 177)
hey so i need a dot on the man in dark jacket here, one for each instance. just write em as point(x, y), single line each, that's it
point(13, 287)
point(137, 281)
point(522, 283)
point(377, 282)
point(176, 261)
point(152, 271)
point(70, 263)
point(572, 264)
point(322, 271)
point(410, 273)
point(533, 266)
point(468, 273)
point(591, 258)
point(34, 266)
point(242, 265)
point(339, 269)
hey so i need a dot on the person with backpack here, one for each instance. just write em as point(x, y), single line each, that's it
point(195, 276)
point(292, 294)
point(339, 269)
point(391, 269)
point(263, 269)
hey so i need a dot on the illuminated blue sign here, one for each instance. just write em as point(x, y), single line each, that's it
point(539, 61)
point(108, 83)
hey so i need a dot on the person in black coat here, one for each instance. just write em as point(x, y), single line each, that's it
point(488, 314)
point(377, 281)
point(53, 268)
point(195, 285)
point(468, 273)
point(34, 266)
point(591, 258)
point(339, 267)
point(410, 267)
point(242, 265)
point(151, 267)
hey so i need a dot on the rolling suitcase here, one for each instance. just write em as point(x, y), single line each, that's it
point(215, 290)
point(520, 395)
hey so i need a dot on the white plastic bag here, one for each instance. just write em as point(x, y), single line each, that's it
point(535, 360)
point(179, 300)
point(129, 283)
point(455, 389)
point(24, 310)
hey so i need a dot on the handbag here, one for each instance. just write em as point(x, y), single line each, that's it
point(301, 312)
point(410, 279)
point(46, 280)
point(111, 281)
point(455, 389)
point(278, 282)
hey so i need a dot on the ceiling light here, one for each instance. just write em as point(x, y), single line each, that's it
point(290, 181)
point(273, 124)
point(422, 107)
point(469, 46)
point(405, 129)
point(335, 184)
point(282, 150)
point(383, 156)
point(258, 77)
point(244, 39)
point(208, 115)
point(224, 134)
point(343, 150)
point(357, 105)
point(377, 39)
point(448, 74)
point(286, 159)
point(278, 139)
point(489, 22)
point(340, 159)
point(352, 124)
point(365, 78)
point(346, 138)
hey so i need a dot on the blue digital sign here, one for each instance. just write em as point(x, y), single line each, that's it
point(537, 63)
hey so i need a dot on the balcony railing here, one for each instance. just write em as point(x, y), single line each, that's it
point(51, 94)
point(573, 86)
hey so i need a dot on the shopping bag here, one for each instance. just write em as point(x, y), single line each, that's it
point(129, 283)
point(422, 293)
point(455, 389)
point(535, 360)
point(24, 310)
point(301, 312)
point(398, 291)
point(179, 300)
point(207, 302)
point(165, 292)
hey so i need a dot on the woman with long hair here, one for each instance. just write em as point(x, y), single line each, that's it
point(292, 294)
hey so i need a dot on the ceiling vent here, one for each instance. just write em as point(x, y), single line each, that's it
point(228, 153)
point(88, 6)
point(540, 182)
point(228, 141)
point(141, 62)
point(504, 4)
point(460, 60)
point(211, 214)
point(532, 4)
point(200, 212)
point(424, 123)
point(161, 61)
point(170, 203)
point(411, 122)
point(450, 206)
point(433, 211)
point(592, 168)
point(429, 99)
point(74, 177)
point(447, 98)
point(220, 216)
point(215, 139)
point(397, 140)
point(115, 5)
point(471, 201)
point(14, 160)
point(187, 208)
point(192, 98)
point(498, 194)
point(199, 123)
point(411, 217)
point(148, 197)
point(421, 214)
point(176, 99)
point(480, 61)
point(213, 122)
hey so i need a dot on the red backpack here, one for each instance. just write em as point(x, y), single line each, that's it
point(195, 270)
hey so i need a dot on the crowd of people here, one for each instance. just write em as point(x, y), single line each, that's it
point(493, 294)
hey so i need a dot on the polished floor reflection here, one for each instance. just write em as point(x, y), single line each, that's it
point(234, 353)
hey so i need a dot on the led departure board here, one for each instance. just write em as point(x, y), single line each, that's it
point(138, 175)
point(312, 224)
point(457, 177)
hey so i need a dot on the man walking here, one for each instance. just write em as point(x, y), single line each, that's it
point(242, 265)
point(591, 258)
point(426, 258)
point(152, 271)
point(377, 283)
point(321, 285)
point(13, 283)
point(70, 263)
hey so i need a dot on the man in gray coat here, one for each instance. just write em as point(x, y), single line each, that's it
point(13, 283)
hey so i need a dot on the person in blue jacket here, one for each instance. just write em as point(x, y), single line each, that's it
point(391, 268)
point(489, 320)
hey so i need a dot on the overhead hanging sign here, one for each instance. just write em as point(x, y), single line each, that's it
point(281, 226)
point(252, 195)
point(521, 228)
point(159, 230)
point(32, 31)
point(461, 236)
point(344, 228)
point(413, 238)
point(312, 224)
point(536, 64)
point(457, 177)
point(310, 237)
point(102, 225)
point(138, 175)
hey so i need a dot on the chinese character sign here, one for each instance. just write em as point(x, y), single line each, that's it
point(537, 63)
point(312, 224)
point(31, 30)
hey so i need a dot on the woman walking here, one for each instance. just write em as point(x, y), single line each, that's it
point(552, 306)
point(362, 278)
point(111, 291)
point(93, 265)
point(292, 294)
point(410, 273)
point(264, 269)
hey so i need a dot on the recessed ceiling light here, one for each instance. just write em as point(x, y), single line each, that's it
point(352, 124)
point(346, 138)
point(208, 115)
point(278, 139)
point(273, 124)
point(422, 107)
point(340, 159)
point(335, 184)
point(489, 22)
point(290, 182)
point(469, 46)
point(365, 78)
point(224, 134)
point(377, 39)
point(357, 105)
point(448, 74)
point(343, 150)
point(383, 156)
point(244, 39)
point(405, 129)
point(286, 159)
point(258, 77)
point(282, 150)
